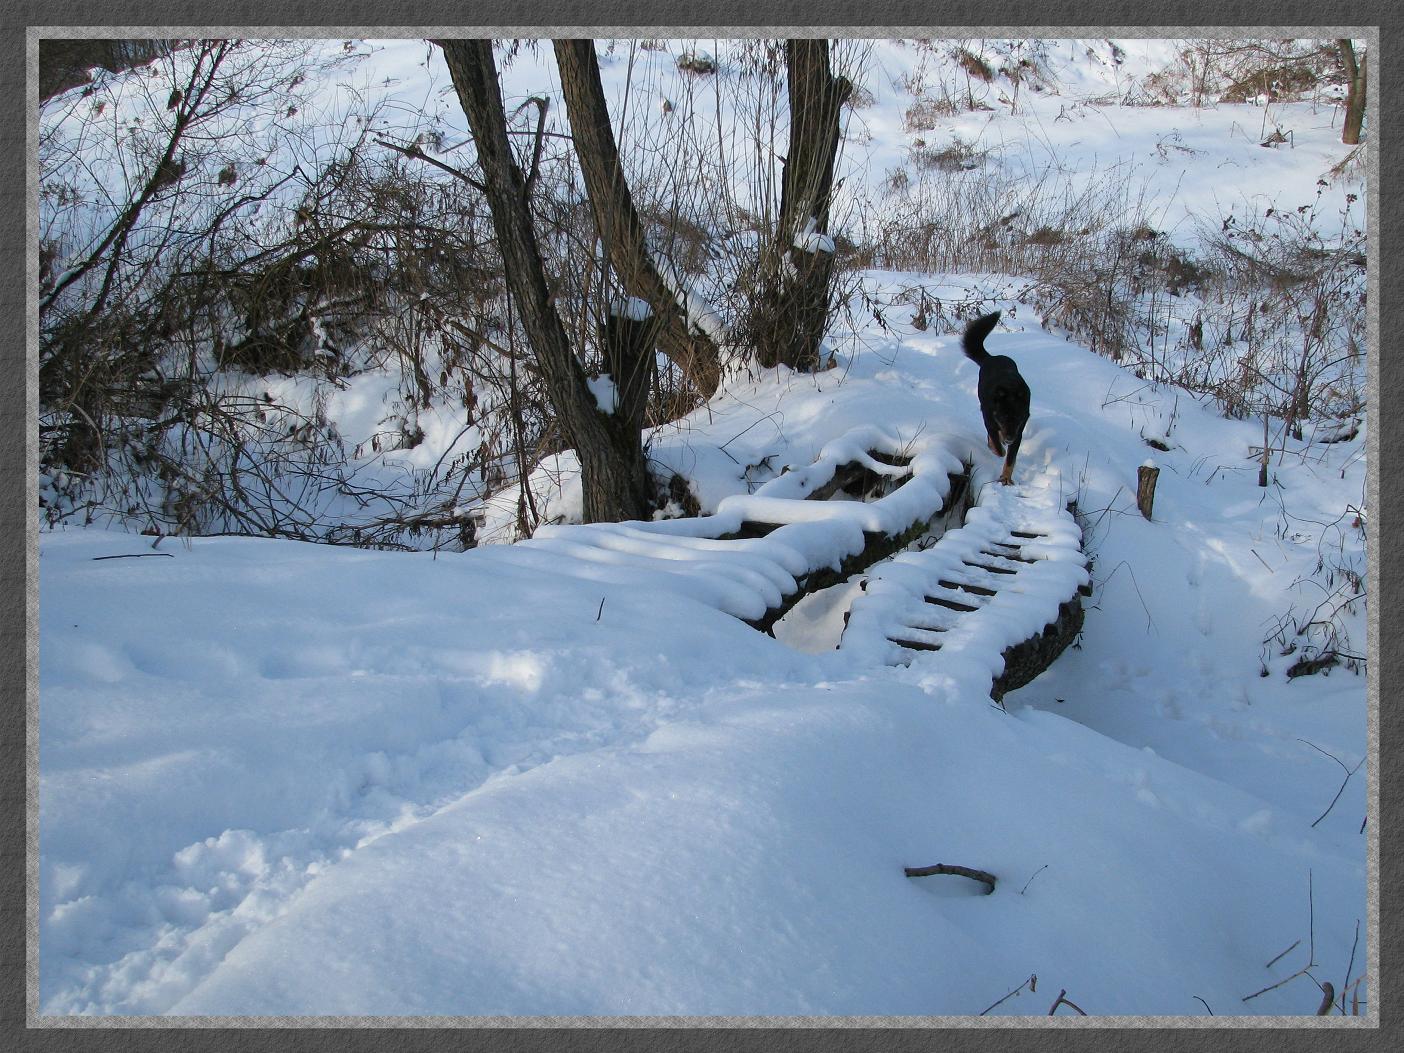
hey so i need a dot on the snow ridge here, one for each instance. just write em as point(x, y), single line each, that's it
point(746, 577)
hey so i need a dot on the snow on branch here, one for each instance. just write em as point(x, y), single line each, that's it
point(810, 239)
point(632, 308)
point(698, 312)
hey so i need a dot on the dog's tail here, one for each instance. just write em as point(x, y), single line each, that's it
point(973, 343)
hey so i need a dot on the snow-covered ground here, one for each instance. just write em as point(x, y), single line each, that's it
point(291, 779)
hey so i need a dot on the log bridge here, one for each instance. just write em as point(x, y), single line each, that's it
point(979, 577)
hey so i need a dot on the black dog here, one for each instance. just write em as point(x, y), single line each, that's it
point(1004, 397)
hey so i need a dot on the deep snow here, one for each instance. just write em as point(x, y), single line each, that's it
point(282, 778)
point(279, 778)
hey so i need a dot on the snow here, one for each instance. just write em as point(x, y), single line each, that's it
point(605, 392)
point(894, 605)
point(748, 577)
point(701, 316)
point(632, 308)
point(811, 240)
point(562, 777)
point(495, 783)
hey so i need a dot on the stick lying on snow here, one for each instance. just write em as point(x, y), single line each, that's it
point(944, 868)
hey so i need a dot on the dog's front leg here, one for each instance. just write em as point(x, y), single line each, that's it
point(992, 436)
point(1007, 476)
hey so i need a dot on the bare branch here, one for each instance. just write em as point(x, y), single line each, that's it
point(1062, 1000)
point(1031, 983)
point(413, 151)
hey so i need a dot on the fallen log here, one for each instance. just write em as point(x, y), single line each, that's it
point(1026, 660)
point(876, 547)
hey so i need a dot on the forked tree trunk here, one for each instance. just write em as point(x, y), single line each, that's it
point(616, 220)
point(1355, 98)
point(799, 279)
point(613, 470)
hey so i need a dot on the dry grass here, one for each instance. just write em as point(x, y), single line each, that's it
point(974, 65)
point(925, 114)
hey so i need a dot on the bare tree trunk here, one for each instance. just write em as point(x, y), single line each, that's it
point(614, 472)
point(802, 276)
point(628, 346)
point(616, 220)
point(1355, 99)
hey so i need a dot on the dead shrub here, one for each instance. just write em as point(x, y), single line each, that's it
point(1276, 82)
point(697, 65)
point(1047, 236)
point(681, 240)
point(860, 98)
point(924, 115)
point(851, 255)
point(957, 156)
point(974, 65)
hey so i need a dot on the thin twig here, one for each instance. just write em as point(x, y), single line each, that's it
point(1354, 990)
point(599, 612)
point(1300, 972)
point(1063, 1001)
point(743, 431)
point(1037, 872)
point(137, 555)
point(1349, 772)
point(413, 151)
point(1336, 798)
point(1324, 753)
point(1204, 1004)
point(1150, 623)
point(1311, 922)
point(1031, 983)
point(1350, 965)
point(1270, 964)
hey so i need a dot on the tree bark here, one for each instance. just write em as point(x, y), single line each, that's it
point(802, 279)
point(1355, 98)
point(614, 473)
point(628, 346)
point(616, 220)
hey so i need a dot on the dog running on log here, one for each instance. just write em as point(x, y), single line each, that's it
point(1004, 397)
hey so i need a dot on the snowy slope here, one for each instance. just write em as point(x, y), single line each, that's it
point(297, 779)
point(384, 783)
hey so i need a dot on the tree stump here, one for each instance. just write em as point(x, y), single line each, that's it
point(1146, 476)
